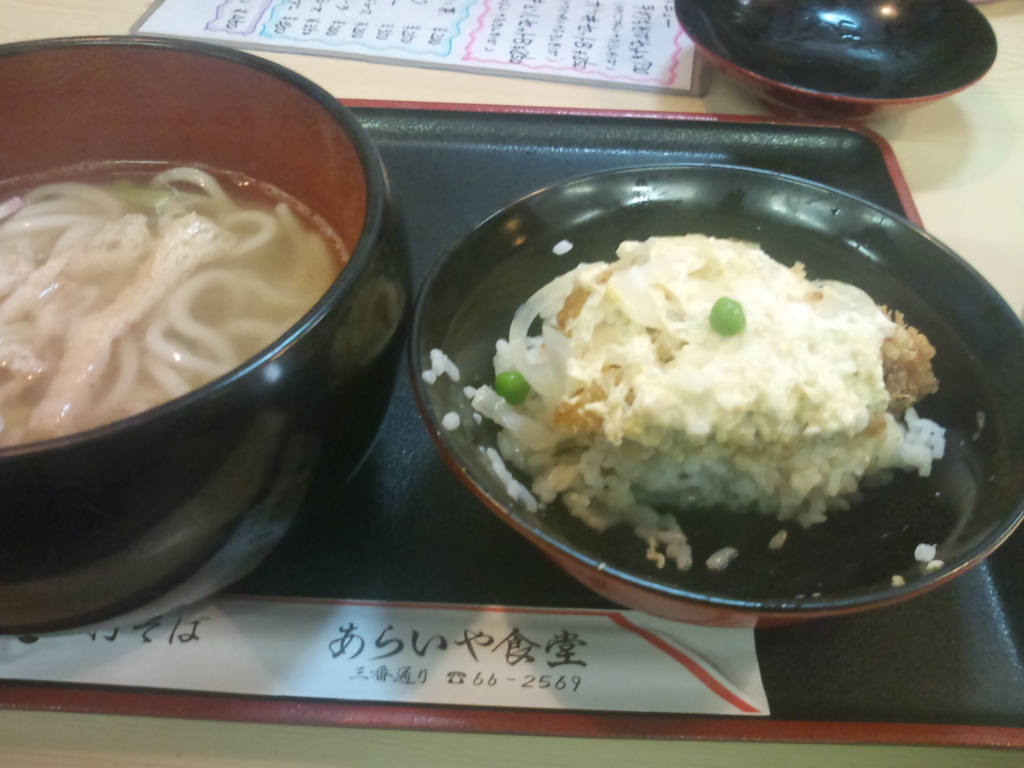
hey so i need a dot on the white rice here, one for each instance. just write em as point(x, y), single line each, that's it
point(562, 247)
point(513, 487)
point(451, 421)
point(923, 443)
point(440, 365)
point(721, 558)
point(924, 553)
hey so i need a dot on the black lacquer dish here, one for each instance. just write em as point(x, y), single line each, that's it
point(843, 60)
point(969, 503)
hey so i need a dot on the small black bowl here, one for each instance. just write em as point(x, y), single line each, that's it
point(146, 514)
point(846, 59)
point(972, 501)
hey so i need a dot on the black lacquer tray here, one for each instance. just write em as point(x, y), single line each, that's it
point(944, 668)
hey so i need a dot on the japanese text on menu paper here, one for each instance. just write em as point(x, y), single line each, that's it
point(477, 656)
point(629, 43)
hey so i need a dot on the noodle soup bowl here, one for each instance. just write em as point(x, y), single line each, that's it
point(968, 505)
point(132, 518)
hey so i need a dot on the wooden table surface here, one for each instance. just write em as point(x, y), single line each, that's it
point(964, 161)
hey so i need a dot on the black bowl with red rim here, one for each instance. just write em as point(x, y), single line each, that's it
point(133, 518)
point(969, 504)
point(843, 59)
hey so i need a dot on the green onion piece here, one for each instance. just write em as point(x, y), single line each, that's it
point(512, 386)
point(727, 317)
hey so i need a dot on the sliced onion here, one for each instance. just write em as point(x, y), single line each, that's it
point(842, 297)
point(545, 302)
point(631, 290)
point(527, 431)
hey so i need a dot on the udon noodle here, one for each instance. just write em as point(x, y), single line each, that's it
point(115, 298)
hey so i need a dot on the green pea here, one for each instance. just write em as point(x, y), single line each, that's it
point(512, 386)
point(727, 317)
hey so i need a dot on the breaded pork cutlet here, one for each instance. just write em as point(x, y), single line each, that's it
point(907, 365)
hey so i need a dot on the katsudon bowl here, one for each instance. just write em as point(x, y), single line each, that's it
point(861, 558)
point(128, 519)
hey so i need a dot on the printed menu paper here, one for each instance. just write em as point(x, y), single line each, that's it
point(620, 661)
point(635, 44)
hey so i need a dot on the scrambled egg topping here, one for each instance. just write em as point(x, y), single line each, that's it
point(643, 400)
point(645, 363)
